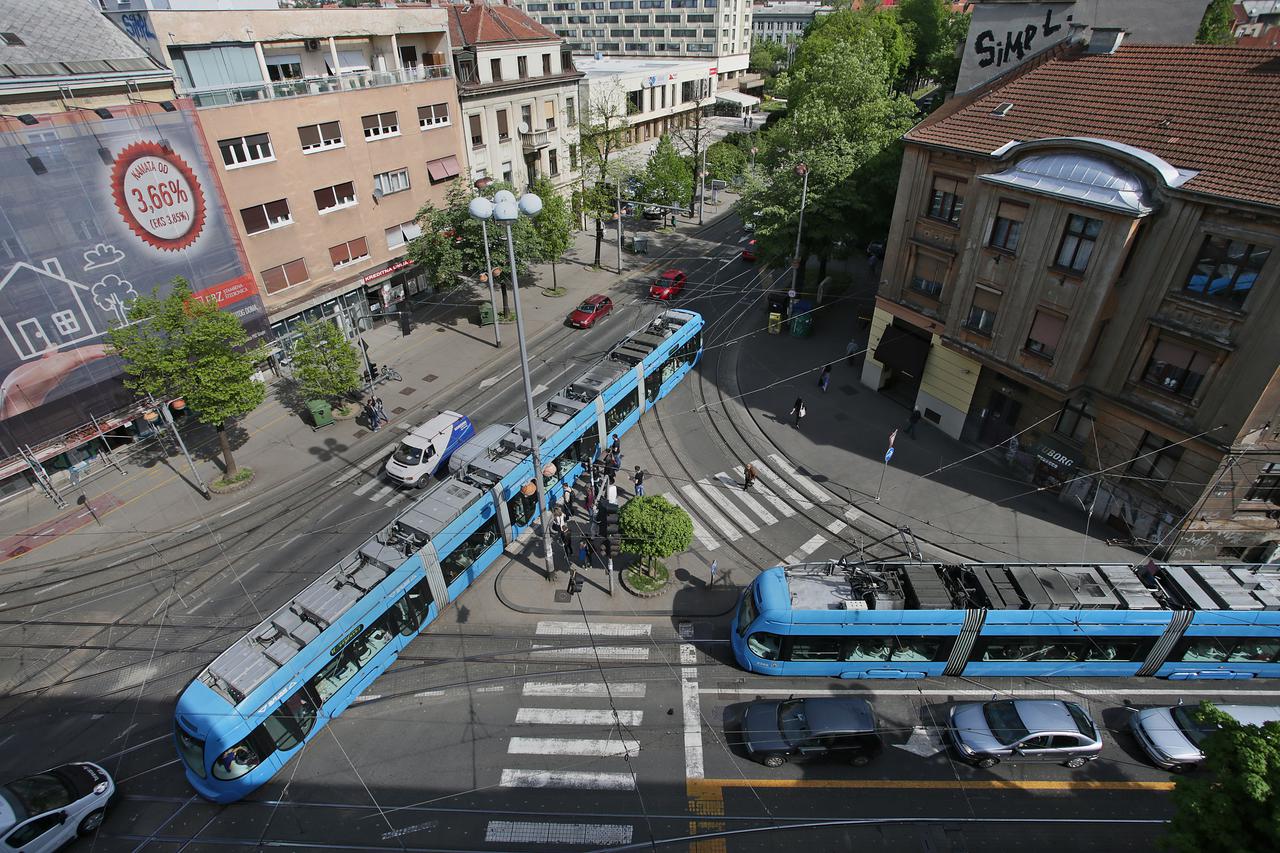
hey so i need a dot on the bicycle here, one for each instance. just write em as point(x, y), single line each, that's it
point(391, 373)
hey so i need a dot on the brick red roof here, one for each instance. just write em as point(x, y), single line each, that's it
point(1205, 108)
point(481, 23)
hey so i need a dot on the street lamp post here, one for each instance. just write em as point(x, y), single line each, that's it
point(618, 183)
point(488, 270)
point(702, 186)
point(168, 419)
point(505, 210)
point(803, 171)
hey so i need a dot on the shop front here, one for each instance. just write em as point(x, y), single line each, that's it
point(1055, 463)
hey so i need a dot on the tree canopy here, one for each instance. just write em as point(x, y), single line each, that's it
point(667, 179)
point(553, 227)
point(1233, 804)
point(181, 346)
point(325, 363)
point(654, 528)
point(603, 132)
point(726, 161)
point(1217, 23)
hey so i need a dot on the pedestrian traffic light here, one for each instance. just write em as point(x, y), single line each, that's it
point(575, 583)
point(609, 529)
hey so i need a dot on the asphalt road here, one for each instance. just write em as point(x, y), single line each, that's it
point(496, 730)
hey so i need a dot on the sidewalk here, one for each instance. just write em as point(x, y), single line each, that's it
point(156, 497)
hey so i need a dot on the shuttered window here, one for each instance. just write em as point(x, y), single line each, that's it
point(285, 275)
point(1008, 226)
point(345, 253)
point(1046, 331)
point(928, 275)
point(380, 125)
point(316, 137)
point(983, 311)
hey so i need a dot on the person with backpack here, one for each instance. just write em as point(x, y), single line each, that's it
point(798, 412)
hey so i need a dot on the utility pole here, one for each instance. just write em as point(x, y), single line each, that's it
point(618, 185)
point(702, 186)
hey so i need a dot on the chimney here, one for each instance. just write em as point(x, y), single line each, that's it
point(1076, 33)
point(1105, 40)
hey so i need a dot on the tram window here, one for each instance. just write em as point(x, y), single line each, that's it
point(747, 613)
point(465, 554)
point(236, 761)
point(1061, 649)
point(815, 648)
point(916, 648)
point(289, 724)
point(521, 508)
point(586, 446)
point(344, 666)
point(622, 409)
point(413, 607)
point(764, 645)
point(869, 648)
point(1207, 650)
point(1255, 651)
point(1229, 650)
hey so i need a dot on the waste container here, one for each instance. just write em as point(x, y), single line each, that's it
point(486, 313)
point(775, 322)
point(321, 413)
point(802, 321)
point(641, 245)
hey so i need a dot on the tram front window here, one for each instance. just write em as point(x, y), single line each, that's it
point(236, 761)
point(746, 613)
point(191, 749)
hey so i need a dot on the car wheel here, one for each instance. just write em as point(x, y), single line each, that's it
point(860, 761)
point(1078, 761)
point(774, 760)
point(91, 822)
point(986, 762)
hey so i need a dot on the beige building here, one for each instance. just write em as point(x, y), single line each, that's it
point(654, 96)
point(331, 128)
point(1084, 271)
point(519, 92)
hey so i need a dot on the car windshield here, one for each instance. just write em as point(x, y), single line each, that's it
point(1003, 720)
point(1081, 719)
point(587, 308)
point(792, 722)
point(1185, 717)
point(407, 454)
point(42, 792)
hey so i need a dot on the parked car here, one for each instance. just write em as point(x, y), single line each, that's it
point(1172, 736)
point(775, 732)
point(592, 308)
point(48, 810)
point(668, 285)
point(749, 250)
point(1048, 730)
point(651, 212)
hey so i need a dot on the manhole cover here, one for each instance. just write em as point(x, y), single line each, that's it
point(430, 377)
point(361, 433)
point(563, 597)
point(398, 410)
point(405, 392)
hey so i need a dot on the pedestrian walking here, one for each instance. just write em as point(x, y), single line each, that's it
point(371, 415)
point(851, 350)
point(798, 412)
point(912, 421)
point(566, 542)
point(824, 378)
point(591, 496)
point(715, 567)
point(582, 552)
point(379, 412)
point(615, 447)
point(611, 494)
point(569, 496)
point(744, 119)
point(748, 477)
point(638, 479)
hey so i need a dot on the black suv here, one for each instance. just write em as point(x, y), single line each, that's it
point(842, 729)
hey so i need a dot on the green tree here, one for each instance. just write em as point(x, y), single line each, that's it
point(1216, 25)
point(667, 179)
point(944, 62)
point(926, 20)
point(603, 135)
point(727, 160)
point(183, 346)
point(653, 528)
point(325, 363)
point(829, 31)
point(1233, 804)
point(766, 56)
point(553, 227)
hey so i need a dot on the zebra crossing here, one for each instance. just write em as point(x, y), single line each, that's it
point(576, 736)
point(723, 512)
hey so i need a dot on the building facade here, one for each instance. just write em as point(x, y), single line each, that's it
point(332, 128)
point(519, 92)
point(716, 30)
point(1096, 292)
point(654, 97)
point(784, 22)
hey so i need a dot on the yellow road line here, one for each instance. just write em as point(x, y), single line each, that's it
point(695, 785)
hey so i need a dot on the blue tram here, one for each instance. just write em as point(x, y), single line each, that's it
point(913, 620)
point(251, 709)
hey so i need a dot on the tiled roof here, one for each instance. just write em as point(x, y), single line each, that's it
point(481, 23)
point(1204, 108)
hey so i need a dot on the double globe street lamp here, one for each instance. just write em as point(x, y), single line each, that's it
point(505, 210)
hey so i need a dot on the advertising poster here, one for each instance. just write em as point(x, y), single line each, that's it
point(93, 213)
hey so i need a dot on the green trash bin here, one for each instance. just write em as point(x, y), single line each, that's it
point(321, 413)
point(486, 314)
point(801, 326)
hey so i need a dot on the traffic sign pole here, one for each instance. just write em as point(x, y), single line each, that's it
point(888, 454)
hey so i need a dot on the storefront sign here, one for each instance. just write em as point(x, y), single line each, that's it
point(1052, 457)
point(387, 270)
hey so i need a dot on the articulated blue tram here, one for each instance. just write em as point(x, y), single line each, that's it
point(250, 710)
point(912, 620)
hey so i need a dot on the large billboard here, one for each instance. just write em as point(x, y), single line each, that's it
point(93, 212)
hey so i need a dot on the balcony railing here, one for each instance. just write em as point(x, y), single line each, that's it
point(301, 88)
point(535, 139)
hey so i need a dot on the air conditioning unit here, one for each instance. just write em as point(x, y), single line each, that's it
point(854, 604)
point(312, 44)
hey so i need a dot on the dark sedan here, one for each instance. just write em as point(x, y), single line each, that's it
point(775, 732)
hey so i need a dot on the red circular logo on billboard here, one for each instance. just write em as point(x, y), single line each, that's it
point(158, 195)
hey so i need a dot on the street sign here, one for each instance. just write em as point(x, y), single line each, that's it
point(888, 454)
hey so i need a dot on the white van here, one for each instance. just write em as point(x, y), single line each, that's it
point(1172, 736)
point(427, 449)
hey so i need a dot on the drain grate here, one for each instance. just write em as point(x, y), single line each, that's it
point(398, 410)
point(563, 597)
point(405, 392)
point(430, 377)
point(360, 433)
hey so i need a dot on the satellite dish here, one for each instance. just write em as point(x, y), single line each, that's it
point(523, 127)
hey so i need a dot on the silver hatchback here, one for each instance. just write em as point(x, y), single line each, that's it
point(1045, 730)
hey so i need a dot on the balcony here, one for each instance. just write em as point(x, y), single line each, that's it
point(535, 140)
point(301, 88)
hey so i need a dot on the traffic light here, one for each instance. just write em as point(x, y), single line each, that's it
point(610, 532)
point(575, 584)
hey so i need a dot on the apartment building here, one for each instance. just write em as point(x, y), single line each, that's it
point(1083, 272)
point(716, 30)
point(656, 96)
point(519, 92)
point(784, 22)
point(332, 128)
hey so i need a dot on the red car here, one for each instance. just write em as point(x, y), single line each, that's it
point(668, 285)
point(592, 309)
point(749, 251)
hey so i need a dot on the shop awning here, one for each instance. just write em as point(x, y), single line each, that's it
point(443, 169)
point(738, 98)
point(902, 351)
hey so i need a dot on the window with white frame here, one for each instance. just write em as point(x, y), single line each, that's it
point(335, 197)
point(398, 235)
point(264, 217)
point(391, 182)
point(317, 137)
point(285, 275)
point(380, 125)
point(433, 115)
point(349, 252)
point(246, 150)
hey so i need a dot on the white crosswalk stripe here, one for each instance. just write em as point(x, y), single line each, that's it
point(577, 717)
point(716, 494)
point(366, 486)
point(549, 627)
point(380, 494)
point(784, 508)
point(690, 491)
point(552, 835)
point(781, 485)
point(593, 747)
point(835, 527)
point(815, 542)
point(805, 483)
point(593, 689)
point(567, 779)
point(754, 505)
point(706, 540)
point(603, 652)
